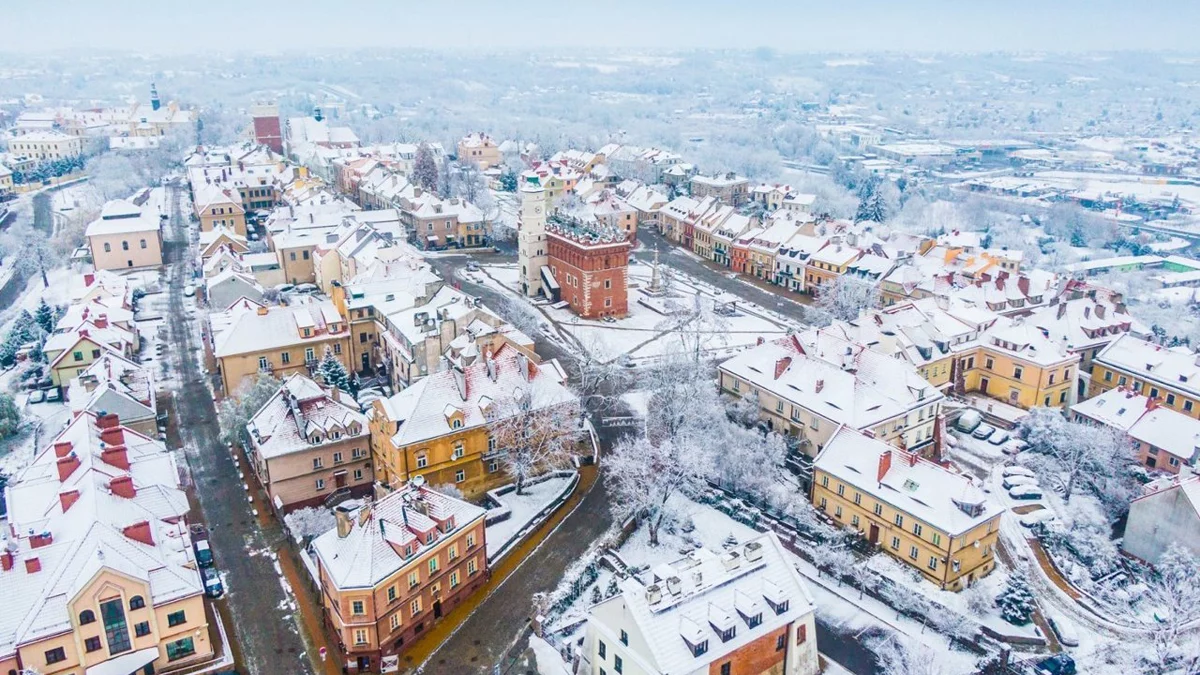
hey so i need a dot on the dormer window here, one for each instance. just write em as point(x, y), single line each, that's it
point(779, 607)
point(429, 537)
point(456, 423)
point(698, 649)
point(753, 621)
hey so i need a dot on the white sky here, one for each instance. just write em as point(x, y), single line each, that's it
point(785, 25)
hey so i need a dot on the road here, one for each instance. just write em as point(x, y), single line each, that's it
point(484, 637)
point(267, 641)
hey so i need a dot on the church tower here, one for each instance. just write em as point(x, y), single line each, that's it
point(155, 103)
point(531, 237)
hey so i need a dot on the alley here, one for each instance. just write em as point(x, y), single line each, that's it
point(268, 641)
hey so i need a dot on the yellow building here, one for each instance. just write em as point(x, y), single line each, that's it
point(217, 207)
point(1016, 364)
point(440, 427)
point(46, 145)
point(827, 264)
point(937, 522)
point(6, 180)
point(280, 341)
point(478, 147)
point(98, 574)
point(1167, 375)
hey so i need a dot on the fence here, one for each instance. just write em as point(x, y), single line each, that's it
point(541, 516)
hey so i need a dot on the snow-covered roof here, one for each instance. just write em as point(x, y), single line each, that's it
point(1144, 420)
point(1175, 367)
point(948, 501)
point(303, 415)
point(374, 549)
point(675, 607)
point(122, 217)
point(274, 327)
point(419, 411)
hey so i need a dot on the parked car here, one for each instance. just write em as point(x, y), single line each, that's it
point(1011, 482)
point(1018, 471)
point(983, 431)
point(1036, 518)
point(189, 290)
point(204, 557)
point(1056, 664)
point(1025, 492)
point(1064, 630)
point(968, 421)
point(285, 288)
point(37, 396)
point(213, 587)
point(998, 438)
point(472, 266)
point(307, 288)
point(1014, 446)
point(53, 395)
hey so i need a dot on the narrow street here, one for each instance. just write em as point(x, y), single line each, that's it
point(267, 641)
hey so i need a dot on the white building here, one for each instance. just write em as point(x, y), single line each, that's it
point(531, 238)
point(745, 610)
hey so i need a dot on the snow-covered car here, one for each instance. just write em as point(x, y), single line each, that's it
point(983, 431)
point(53, 396)
point(1014, 446)
point(998, 438)
point(285, 288)
point(1025, 492)
point(1063, 630)
point(472, 266)
point(189, 290)
point(1011, 482)
point(306, 288)
point(37, 396)
point(1017, 471)
point(212, 582)
point(1056, 664)
point(968, 421)
point(1037, 517)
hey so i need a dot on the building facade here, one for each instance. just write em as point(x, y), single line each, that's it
point(590, 264)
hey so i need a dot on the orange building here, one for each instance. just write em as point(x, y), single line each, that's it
point(590, 264)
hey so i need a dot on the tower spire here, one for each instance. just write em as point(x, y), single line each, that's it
point(155, 103)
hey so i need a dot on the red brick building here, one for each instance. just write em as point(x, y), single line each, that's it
point(267, 128)
point(590, 264)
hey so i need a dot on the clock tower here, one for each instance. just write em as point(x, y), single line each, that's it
point(531, 237)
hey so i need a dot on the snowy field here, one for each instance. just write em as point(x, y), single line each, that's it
point(524, 509)
point(646, 333)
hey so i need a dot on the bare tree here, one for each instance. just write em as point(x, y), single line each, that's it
point(647, 479)
point(696, 325)
point(1175, 595)
point(1072, 451)
point(599, 383)
point(899, 655)
point(847, 297)
point(34, 254)
point(537, 431)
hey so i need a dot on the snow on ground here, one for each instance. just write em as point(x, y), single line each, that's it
point(523, 508)
point(644, 335)
point(549, 661)
point(638, 402)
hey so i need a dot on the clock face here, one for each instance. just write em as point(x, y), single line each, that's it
point(537, 209)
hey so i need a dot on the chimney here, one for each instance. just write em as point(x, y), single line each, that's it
point(1023, 285)
point(1100, 311)
point(40, 540)
point(6, 561)
point(112, 435)
point(89, 279)
point(885, 463)
point(116, 456)
point(344, 522)
point(33, 565)
point(67, 466)
point(1087, 312)
point(66, 499)
point(782, 365)
point(261, 311)
point(820, 385)
point(101, 321)
point(140, 532)
point(1062, 309)
point(122, 486)
point(107, 420)
point(1151, 403)
point(62, 448)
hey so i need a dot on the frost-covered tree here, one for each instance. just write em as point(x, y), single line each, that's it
point(683, 398)
point(900, 655)
point(847, 297)
point(696, 326)
point(745, 460)
point(425, 169)
point(332, 372)
point(744, 409)
point(508, 181)
point(873, 201)
point(1175, 596)
point(34, 254)
point(44, 316)
point(449, 489)
point(236, 410)
point(647, 479)
point(535, 431)
point(1016, 600)
point(10, 416)
point(1073, 451)
point(310, 521)
point(598, 382)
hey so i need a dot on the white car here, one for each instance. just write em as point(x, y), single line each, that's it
point(998, 438)
point(1063, 630)
point(1014, 446)
point(1025, 492)
point(189, 290)
point(1031, 519)
point(1018, 471)
point(1011, 482)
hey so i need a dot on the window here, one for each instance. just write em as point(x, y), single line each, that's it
point(458, 450)
point(837, 513)
point(358, 474)
point(55, 655)
point(358, 607)
point(1108, 376)
point(917, 529)
point(854, 521)
point(337, 346)
point(107, 247)
point(360, 636)
point(136, 602)
point(913, 552)
point(1017, 372)
point(143, 243)
point(305, 255)
point(285, 357)
point(1121, 381)
point(822, 505)
point(292, 255)
point(414, 579)
point(1051, 379)
point(1153, 392)
point(309, 354)
point(802, 634)
point(896, 542)
point(395, 620)
point(471, 567)
point(78, 356)
point(1170, 399)
point(116, 630)
point(317, 463)
point(320, 483)
point(933, 562)
point(780, 643)
point(824, 481)
point(470, 540)
point(141, 629)
point(625, 637)
point(988, 363)
point(391, 593)
point(414, 607)
point(726, 668)
point(95, 353)
point(176, 618)
point(263, 364)
point(124, 246)
point(452, 552)
point(422, 461)
point(617, 665)
point(454, 579)
point(937, 539)
point(878, 509)
point(899, 520)
point(858, 498)
point(460, 476)
point(87, 616)
point(433, 566)
point(841, 490)
point(92, 644)
point(603, 650)
point(1187, 406)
